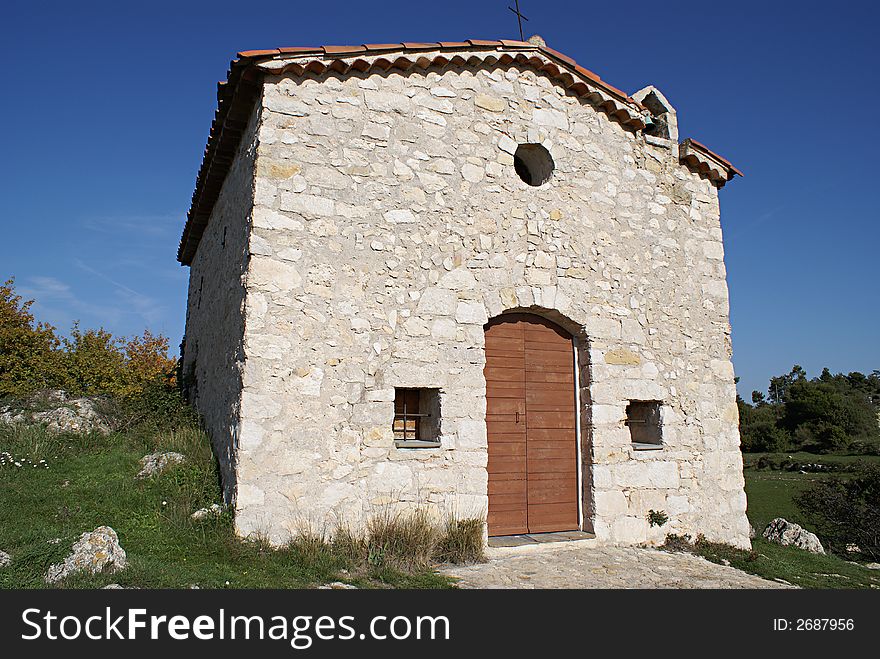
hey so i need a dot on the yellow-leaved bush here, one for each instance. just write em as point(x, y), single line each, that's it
point(91, 362)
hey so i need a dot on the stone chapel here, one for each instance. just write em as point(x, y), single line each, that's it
point(467, 276)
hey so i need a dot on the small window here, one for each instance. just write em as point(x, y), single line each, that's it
point(533, 164)
point(416, 418)
point(643, 419)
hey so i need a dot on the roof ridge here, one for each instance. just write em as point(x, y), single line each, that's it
point(236, 95)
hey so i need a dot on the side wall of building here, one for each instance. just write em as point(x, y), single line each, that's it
point(212, 354)
point(389, 225)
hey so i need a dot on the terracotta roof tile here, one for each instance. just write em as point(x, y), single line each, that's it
point(588, 73)
point(706, 163)
point(300, 50)
point(344, 50)
point(382, 46)
point(712, 153)
point(558, 55)
point(414, 45)
point(258, 53)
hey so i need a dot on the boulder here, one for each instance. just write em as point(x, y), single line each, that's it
point(788, 533)
point(94, 552)
point(337, 585)
point(5, 559)
point(214, 510)
point(155, 463)
point(58, 413)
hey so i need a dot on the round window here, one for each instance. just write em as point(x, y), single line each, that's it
point(533, 164)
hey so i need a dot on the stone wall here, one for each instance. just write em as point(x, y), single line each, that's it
point(212, 354)
point(389, 225)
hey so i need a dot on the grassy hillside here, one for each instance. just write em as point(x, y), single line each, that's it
point(68, 484)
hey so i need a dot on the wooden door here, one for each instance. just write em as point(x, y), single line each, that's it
point(530, 419)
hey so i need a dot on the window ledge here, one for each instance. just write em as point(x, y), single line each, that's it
point(415, 443)
point(646, 447)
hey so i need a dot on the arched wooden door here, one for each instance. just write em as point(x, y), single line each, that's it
point(530, 419)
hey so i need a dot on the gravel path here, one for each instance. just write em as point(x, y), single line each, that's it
point(573, 566)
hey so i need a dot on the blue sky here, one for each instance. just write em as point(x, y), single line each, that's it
point(106, 108)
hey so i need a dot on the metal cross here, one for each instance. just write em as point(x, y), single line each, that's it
point(520, 18)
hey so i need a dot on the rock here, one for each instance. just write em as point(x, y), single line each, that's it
point(58, 413)
point(113, 586)
point(537, 40)
point(787, 533)
point(155, 463)
point(5, 559)
point(853, 549)
point(214, 510)
point(491, 103)
point(752, 532)
point(872, 566)
point(337, 585)
point(94, 552)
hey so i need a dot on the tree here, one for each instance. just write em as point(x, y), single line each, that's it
point(760, 430)
point(779, 386)
point(820, 413)
point(96, 364)
point(147, 358)
point(826, 414)
point(29, 357)
point(846, 512)
point(89, 362)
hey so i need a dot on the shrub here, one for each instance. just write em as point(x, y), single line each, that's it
point(400, 540)
point(461, 542)
point(158, 406)
point(408, 542)
point(88, 362)
point(657, 517)
point(347, 545)
point(29, 351)
point(678, 543)
point(846, 511)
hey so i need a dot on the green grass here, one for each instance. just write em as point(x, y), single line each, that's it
point(771, 494)
point(90, 482)
point(795, 566)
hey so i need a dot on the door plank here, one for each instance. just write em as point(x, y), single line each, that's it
point(506, 429)
point(532, 464)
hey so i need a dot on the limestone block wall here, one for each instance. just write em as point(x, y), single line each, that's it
point(212, 354)
point(389, 225)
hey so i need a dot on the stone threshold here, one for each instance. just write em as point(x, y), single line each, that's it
point(508, 544)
